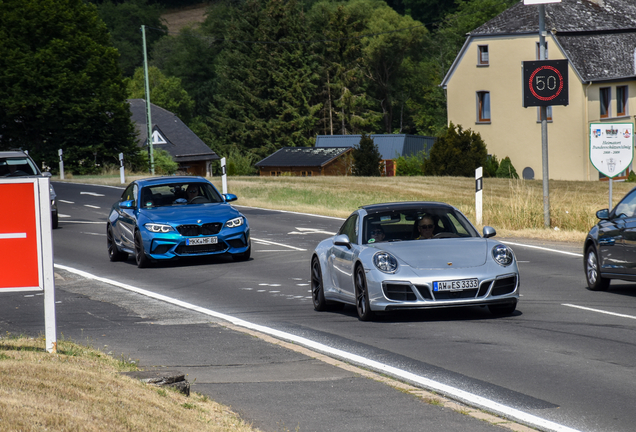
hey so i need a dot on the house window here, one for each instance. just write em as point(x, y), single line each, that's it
point(483, 106)
point(482, 60)
point(272, 173)
point(548, 114)
point(621, 101)
point(538, 53)
point(605, 97)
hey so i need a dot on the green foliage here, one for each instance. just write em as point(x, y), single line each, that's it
point(124, 20)
point(410, 165)
point(457, 152)
point(631, 178)
point(491, 166)
point(164, 165)
point(238, 163)
point(506, 170)
point(165, 92)
point(366, 158)
point(61, 86)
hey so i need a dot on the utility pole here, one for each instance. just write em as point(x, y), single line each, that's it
point(151, 156)
point(544, 127)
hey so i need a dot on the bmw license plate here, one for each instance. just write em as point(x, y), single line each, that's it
point(456, 285)
point(201, 241)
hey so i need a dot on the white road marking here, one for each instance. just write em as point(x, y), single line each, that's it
point(272, 250)
point(92, 193)
point(600, 311)
point(543, 248)
point(95, 234)
point(13, 235)
point(63, 215)
point(427, 383)
point(91, 206)
point(83, 222)
point(267, 242)
point(305, 231)
point(67, 202)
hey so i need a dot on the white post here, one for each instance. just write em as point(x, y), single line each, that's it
point(122, 177)
point(479, 185)
point(224, 175)
point(59, 152)
point(47, 265)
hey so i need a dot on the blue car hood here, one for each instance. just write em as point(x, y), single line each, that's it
point(190, 213)
point(437, 253)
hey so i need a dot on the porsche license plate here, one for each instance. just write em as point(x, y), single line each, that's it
point(201, 241)
point(453, 285)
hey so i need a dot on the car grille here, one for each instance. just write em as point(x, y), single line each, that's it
point(399, 292)
point(504, 286)
point(200, 249)
point(424, 291)
point(483, 288)
point(451, 295)
point(197, 230)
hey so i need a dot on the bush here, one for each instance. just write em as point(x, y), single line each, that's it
point(367, 158)
point(506, 170)
point(491, 166)
point(631, 177)
point(411, 165)
point(164, 165)
point(457, 152)
point(238, 163)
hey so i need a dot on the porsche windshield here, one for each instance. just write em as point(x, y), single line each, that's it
point(416, 224)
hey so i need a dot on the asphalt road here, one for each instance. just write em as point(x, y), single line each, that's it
point(566, 355)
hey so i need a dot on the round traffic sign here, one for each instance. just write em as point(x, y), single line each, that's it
point(546, 83)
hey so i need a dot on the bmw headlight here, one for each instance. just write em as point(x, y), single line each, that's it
point(233, 223)
point(158, 228)
point(502, 255)
point(385, 262)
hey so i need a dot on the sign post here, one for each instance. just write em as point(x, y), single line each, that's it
point(479, 185)
point(223, 176)
point(26, 245)
point(611, 149)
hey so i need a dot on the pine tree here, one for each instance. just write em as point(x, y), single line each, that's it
point(367, 158)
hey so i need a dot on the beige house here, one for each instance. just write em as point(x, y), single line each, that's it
point(484, 84)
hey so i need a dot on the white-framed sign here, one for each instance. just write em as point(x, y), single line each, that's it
point(611, 147)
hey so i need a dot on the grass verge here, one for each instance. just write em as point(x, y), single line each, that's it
point(80, 388)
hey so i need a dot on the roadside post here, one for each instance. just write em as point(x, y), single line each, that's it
point(224, 175)
point(479, 185)
point(26, 245)
point(122, 177)
point(59, 153)
point(611, 149)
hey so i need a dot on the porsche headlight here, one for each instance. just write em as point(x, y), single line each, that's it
point(385, 262)
point(158, 228)
point(233, 223)
point(502, 255)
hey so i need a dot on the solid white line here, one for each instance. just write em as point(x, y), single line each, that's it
point(92, 193)
point(600, 311)
point(12, 235)
point(543, 248)
point(267, 242)
point(427, 383)
point(91, 206)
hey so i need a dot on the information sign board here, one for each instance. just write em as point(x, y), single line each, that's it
point(611, 147)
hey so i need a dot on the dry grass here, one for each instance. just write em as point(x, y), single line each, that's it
point(513, 207)
point(81, 389)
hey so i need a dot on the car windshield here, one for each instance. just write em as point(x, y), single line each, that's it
point(17, 166)
point(416, 224)
point(179, 194)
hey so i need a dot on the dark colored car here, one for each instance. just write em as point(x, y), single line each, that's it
point(165, 218)
point(610, 246)
point(20, 164)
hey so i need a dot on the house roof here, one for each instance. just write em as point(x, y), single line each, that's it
point(598, 37)
point(391, 146)
point(302, 156)
point(178, 139)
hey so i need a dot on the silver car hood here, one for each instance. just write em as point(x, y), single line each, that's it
point(439, 253)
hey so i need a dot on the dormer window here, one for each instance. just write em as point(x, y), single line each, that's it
point(482, 60)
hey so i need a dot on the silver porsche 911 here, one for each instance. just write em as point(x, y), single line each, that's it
point(413, 255)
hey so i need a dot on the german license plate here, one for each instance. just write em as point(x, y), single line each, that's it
point(453, 285)
point(201, 241)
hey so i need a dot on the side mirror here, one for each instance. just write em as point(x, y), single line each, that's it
point(603, 214)
point(46, 174)
point(229, 197)
point(342, 240)
point(130, 204)
point(489, 232)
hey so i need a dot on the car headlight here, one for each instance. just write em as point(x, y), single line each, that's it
point(502, 255)
point(233, 223)
point(385, 262)
point(158, 228)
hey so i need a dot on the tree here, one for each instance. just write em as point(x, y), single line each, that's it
point(457, 152)
point(62, 86)
point(506, 169)
point(366, 158)
point(410, 165)
point(124, 21)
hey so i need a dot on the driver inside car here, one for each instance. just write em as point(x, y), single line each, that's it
point(192, 192)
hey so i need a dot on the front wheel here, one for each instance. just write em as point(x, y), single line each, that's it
point(592, 271)
point(317, 287)
point(362, 296)
point(140, 254)
point(114, 254)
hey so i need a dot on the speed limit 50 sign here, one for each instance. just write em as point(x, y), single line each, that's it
point(545, 83)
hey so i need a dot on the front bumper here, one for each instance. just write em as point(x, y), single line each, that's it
point(165, 246)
